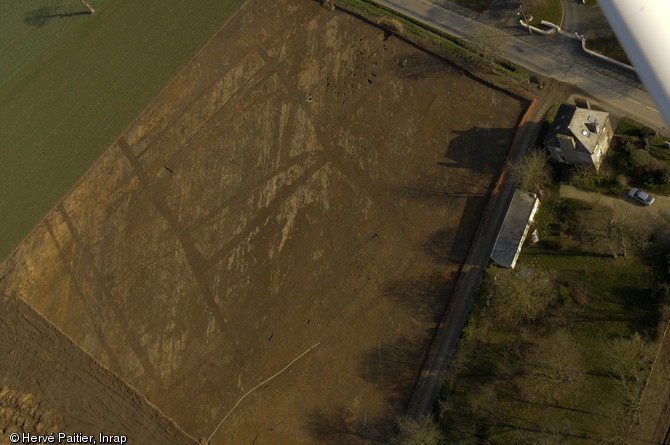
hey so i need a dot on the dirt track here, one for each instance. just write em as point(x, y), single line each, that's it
point(304, 179)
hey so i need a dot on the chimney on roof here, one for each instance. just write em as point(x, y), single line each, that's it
point(581, 102)
point(566, 142)
point(593, 128)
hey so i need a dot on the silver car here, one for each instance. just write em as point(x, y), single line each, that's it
point(641, 196)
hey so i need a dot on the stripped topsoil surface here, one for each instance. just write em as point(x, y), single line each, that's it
point(306, 180)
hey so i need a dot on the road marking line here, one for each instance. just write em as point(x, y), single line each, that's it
point(652, 109)
point(634, 101)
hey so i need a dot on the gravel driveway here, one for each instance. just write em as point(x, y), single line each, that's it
point(656, 216)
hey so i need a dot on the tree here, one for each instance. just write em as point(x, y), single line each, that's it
point(630, 358)
point(629, 362)
point(488, 42)
point(613, 230)
point(640, 158)
point(522, 297)
point(423, 432)
point(532, 172)
point(559, 359)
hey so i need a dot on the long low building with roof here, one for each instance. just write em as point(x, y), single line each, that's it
point(514, 230)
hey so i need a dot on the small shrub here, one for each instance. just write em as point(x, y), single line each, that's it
point(564, 294)
point(391, 24)
point(622, 180)
point(662, 291)
point(653, 166)
point(584, 177)
point(665, 176)
point(578, 296)
point(509, 65)
point(629, 146)
point(556, 244)
point(605, 173)
point(640, 158)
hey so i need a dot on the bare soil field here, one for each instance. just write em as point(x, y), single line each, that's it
point(307, 179)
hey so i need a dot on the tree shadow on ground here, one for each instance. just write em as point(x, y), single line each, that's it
point(641, 307)
point(480, 149)
point(394, 368)
point(335, 426)
point(446, 246)
point(428, 294)
point(39, 17)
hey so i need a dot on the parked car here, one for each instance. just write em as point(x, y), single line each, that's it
point(641, 196)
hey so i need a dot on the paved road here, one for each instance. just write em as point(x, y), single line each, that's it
point(656, 216)
point(541, 54)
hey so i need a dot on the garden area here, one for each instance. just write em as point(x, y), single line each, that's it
point(638, 157)
point(560, 348)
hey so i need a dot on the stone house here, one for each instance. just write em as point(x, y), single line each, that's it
point(579, 135)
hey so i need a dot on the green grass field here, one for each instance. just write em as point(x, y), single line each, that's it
point(64, 107)
point(30, 26)
point(549, 10)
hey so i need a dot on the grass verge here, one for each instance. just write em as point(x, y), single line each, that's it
point(466, 55)
point(61, 111)
point(608, 46)
point(549, 10)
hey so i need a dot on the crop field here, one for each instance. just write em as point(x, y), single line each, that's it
point(60, 112)
point(264, 253)
point(30, 26)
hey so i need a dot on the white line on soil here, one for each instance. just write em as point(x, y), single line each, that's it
point(258, 386)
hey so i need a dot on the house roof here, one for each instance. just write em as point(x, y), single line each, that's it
point(514, 228)
point(583, 124)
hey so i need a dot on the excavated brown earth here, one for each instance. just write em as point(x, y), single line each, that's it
point(304, 180)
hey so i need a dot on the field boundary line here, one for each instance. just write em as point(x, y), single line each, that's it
point(519, 127)
point(443, 345)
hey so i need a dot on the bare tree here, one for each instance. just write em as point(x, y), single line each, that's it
point(613, 230)
point(559, 359)
point(532, 172)
point(629, 362)
point(630, 358)
point(522, 297)
point(488, 42)
point(424, 432)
